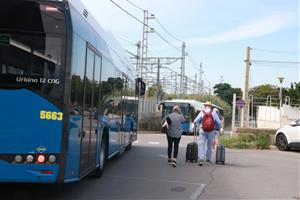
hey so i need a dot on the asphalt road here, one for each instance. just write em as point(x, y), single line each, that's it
point(143, 173)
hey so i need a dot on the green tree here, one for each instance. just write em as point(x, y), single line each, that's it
point(225, 92)
point(215, 100)
point(293, 92)
point(152, 91)
point(262, 91)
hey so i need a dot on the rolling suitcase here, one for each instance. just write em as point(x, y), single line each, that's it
point(192, 150)
point(220, 154)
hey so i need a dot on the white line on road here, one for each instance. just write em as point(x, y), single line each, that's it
point(153, 142)
point(197, 193)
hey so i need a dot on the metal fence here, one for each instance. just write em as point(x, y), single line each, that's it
point(149, 116)
point(267, 113)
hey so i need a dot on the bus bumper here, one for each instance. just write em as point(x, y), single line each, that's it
point(28, 173)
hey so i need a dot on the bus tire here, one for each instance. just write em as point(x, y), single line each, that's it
point(128, 147)
point(100, 169)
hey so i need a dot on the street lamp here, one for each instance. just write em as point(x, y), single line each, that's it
point(280, 98)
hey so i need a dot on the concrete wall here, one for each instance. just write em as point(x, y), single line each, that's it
point(269, 117)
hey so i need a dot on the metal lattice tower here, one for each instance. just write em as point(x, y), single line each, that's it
point(144, 45)
point(182, 75)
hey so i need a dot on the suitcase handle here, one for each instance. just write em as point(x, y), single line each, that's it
point(195, 133)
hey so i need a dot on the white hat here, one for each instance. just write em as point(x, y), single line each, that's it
point(208, 103)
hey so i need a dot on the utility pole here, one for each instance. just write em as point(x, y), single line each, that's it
point(244, 121)
point(182, 70)
point(144, 47)
point(138, 58)
point(200, 89)
point(176, 85)
point(280, 99)
point(209, 88)
point(233, 115)
point(158, 83)
point(195, 85)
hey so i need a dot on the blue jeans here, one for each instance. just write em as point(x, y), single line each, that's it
point(205, 139)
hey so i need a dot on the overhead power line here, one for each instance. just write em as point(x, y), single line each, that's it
point(134, 17)
point(135, 5)
point(159, 35)
point(168, 31)
point(273, 50)
point(128, 13)
point(157, 22)
point(191, 59)
point(275, 61)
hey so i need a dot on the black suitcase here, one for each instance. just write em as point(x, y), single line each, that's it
point(192, 150)
point(220, 154)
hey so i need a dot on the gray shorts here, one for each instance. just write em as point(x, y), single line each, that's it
point(217, 133)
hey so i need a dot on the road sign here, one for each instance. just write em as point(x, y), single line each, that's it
point(240, 103)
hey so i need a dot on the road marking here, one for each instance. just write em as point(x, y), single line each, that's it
point(153, 142)
point(198, 192)
point(136, 141)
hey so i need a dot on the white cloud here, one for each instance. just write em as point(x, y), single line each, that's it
point(253, 29)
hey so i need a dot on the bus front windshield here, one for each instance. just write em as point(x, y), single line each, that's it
point(184, 110)
point(32, 40)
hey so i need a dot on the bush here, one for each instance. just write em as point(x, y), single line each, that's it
point(247, 141)
point(263, 141)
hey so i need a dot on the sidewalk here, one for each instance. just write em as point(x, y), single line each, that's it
point(150, 132)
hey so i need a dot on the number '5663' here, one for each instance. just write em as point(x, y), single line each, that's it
point(49, 115)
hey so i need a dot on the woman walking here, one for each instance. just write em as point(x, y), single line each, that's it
point(174, 132)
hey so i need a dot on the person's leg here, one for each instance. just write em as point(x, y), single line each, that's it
point(169, 148)
point(216, 140)
point(214, 145)
point(210, 139)
point(176, 146)
point(201, 147)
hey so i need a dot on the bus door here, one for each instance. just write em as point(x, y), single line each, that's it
point(89, 137)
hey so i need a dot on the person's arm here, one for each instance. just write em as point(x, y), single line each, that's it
point(198, 118)
point(217, 119)
point(169, 121)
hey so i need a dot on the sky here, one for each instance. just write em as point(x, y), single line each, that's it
point(216, 33)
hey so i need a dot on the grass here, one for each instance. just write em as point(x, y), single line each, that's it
point(247, 141)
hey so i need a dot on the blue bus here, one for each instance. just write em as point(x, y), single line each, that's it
point(68, 93)
point(189, 108)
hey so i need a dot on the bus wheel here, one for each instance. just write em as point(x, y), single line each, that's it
point(100, 169)
point(128, 147)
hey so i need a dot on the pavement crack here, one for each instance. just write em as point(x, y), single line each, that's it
point(211, 180)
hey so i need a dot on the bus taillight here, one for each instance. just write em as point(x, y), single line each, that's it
point(41, 159)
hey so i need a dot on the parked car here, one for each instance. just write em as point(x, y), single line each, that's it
point(288, 136)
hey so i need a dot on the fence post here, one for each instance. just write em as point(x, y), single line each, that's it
point(233, 115)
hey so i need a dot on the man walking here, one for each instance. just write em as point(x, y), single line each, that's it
point(208, 118)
